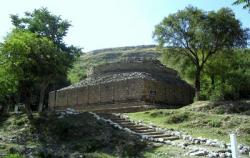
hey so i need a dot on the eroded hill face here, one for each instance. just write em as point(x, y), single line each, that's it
point(110, 55)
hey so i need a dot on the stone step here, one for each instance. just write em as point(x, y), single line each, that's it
point(117, 109)
point(161, 136)
point(171, 138)
point(137, 127)
point(144, 131)
point(152, 133)
point(125, 123)
point(120, 120)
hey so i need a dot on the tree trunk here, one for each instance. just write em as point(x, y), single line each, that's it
point(197, 83)
point(28, 109)
point(26, 94)
point(42, 96)
point(41, 99)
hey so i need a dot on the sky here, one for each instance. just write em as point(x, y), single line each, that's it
point(98, 24)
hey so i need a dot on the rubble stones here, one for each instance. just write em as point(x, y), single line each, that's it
point(225, 151)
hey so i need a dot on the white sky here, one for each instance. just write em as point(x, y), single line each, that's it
point(110, 23)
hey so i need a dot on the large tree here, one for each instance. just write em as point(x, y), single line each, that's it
point(199, 35)
point(45, 24)
point(246, 3)
point(31, 60)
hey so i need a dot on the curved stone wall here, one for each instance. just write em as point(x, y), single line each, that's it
point(141, 82)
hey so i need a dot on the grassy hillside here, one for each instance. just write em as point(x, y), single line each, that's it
point(71, 136)
point(214, 120)
point(74, 136)
point(101, 56)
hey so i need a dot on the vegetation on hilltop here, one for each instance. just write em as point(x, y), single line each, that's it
point(101, 56)
point(198, 36)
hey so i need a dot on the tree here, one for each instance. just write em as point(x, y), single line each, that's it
point(246, 3)
point(199, 35)
point(32, 60)
point(8, 86)
point(44, 24)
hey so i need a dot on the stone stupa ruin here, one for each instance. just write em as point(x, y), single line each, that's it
point(124, 85)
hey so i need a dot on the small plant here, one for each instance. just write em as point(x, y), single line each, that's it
point(13, 156)
point(156, 114)
point(214, 123)
point(178, 118)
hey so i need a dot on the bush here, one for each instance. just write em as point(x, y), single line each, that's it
point(214, 123)
point(13, 156)
point(156, 114)
point(178, 118)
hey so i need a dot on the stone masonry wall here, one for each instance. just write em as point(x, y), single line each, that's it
point(167, 93)
point(85, 97)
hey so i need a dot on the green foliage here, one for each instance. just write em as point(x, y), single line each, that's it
point(13, 156)
point(199, 35)
point(177, 118)
point(45, 24)
point(226, 76)
point(39, 53)
point(31, 60)
point(214, 123)
point(246, 3)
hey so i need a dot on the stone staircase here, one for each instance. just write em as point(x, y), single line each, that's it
point(151, 134)
point(142, 130)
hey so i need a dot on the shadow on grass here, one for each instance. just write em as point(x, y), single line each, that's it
point(83, 134)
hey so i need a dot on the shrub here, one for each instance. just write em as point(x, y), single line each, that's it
point(214, 123)
point(155, 114)
point(178, 118)
point(13, 156)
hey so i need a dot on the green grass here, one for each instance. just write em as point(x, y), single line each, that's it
point(13, 156)
point(165, 151)
point(198, 124)
point(76, 133)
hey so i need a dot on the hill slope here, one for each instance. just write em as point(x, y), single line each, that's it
point(101, 56)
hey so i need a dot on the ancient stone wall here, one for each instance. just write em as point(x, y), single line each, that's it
point(167, 93)
point(123, 82)
point(83, 97)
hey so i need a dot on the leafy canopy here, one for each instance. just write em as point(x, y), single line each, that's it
point(198, 35)
point(43, 23)
point(30, 57)
point(246, 3)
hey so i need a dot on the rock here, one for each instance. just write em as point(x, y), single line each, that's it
point(199, 153)
point(213, 155)
point(240, 146)
point(168, 142)
point(2, 146)
point(196, 141)
point(223, 145)
point(76, 155)
point(228, 154)
point(222, 155)
point(18, 149)
point(61, 116)
point(243, 151)
point(160, 140)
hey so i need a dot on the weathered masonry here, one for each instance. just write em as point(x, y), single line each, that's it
point(124, 85)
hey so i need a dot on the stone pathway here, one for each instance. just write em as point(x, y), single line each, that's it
point(195, 146)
